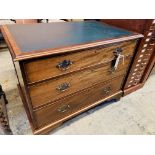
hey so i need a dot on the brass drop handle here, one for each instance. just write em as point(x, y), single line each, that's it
point(107, 90)
point(64, 108)
point(62, 87)
point(64, 65)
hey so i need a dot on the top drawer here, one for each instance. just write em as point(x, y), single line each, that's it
point(45, 68)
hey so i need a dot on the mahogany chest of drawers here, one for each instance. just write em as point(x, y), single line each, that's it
point(66, 68)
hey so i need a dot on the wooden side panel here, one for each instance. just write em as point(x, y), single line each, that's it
point(24, 93)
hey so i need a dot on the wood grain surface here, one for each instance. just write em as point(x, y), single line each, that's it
point(52, 94)
point(46, 92)
point(45, 68)
point(70, 105)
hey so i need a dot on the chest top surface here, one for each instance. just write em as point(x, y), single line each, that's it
point(30, 40)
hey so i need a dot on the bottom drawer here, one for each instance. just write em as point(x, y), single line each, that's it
point(71, 104)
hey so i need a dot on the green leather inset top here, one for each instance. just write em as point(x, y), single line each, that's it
point(30, 37)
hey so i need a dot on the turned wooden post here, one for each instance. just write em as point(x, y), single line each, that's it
point(4, 121)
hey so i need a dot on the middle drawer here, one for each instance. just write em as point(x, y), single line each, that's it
point(53, 89)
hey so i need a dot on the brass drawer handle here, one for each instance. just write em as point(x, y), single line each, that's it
point(107, 90)
point(62, 87)
point(64, 108)
point(64, 65)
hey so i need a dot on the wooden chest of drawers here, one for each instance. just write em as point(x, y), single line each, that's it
point(64, 69)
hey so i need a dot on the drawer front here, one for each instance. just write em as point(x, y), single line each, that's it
point(45, 68)
point(72, 104)
point(45, 92)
